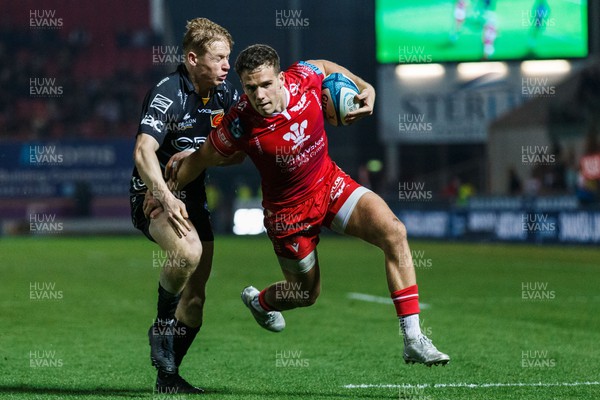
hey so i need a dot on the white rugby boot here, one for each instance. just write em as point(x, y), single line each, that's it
point(272, 320)
point(422, 351)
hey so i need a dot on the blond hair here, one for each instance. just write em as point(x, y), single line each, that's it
point(201, 33)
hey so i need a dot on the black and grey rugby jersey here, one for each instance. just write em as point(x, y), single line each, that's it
point(176, 116)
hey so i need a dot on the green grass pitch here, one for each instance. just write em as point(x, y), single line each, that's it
point(519, 322)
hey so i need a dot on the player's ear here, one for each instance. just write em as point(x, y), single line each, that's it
point(192, 58)
point(281, 78)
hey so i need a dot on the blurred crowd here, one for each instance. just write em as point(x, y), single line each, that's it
point(50, 95)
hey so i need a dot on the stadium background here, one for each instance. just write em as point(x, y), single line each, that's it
point(74, 74)
point(74, 83)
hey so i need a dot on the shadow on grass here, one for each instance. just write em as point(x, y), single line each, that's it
point(136, 392)
point(237, 393)
point(99, 392)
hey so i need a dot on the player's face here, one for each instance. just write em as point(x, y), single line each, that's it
point(211, 68)
point(265, 90)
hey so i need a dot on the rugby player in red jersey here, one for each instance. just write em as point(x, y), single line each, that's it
point(279, 124)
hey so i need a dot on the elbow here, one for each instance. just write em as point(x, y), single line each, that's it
point(136, 155)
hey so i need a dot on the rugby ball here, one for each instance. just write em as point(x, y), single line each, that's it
point(337, 98)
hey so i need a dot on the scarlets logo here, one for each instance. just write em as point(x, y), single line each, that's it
point(296, 134)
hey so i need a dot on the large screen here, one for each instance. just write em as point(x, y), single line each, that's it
point(425, 31)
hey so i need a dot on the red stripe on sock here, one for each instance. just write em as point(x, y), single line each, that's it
point(263, 302)
point(406, 301)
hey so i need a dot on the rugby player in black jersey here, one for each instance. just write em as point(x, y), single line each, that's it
point(177, 116)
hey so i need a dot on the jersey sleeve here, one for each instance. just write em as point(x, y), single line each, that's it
point(225, 137)
point(308, 73)
point(311, 67)
point(157, 111)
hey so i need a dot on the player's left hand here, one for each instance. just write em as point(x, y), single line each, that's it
point(367, 101)
point(152, 207)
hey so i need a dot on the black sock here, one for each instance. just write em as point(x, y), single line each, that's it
point(183, 340)
point(167, 304)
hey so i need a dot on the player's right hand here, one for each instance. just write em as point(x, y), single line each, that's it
point(175, 211)
point(152, 207)
point(178, 216)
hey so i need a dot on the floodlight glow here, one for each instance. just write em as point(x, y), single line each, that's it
point(477, 69)
point(545, 67)
point(420, 71)
point(248, 221)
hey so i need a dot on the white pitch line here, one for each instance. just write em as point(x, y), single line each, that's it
point(470, 385)
point(378, 299)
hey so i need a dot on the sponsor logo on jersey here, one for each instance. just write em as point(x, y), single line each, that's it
point(297, 135)
point(137, 184)
point(236, 129)
point(182, 98)
point(222, 138)
point(204, 110)
point(186, 116)
point(156, 124)
point(294, 89)
point(309, 67)
point(258, 146)
point(242, 105)
point(301, 105)
point(338, 188)
point(216, 116)
point(187, 123)
point(162, 81)
point(186, 143)
point(161, 103)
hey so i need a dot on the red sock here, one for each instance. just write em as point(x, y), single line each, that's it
point(406, 301)
point(263, 302)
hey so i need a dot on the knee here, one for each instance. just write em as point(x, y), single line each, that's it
point(189, 255)
point(394, 234)
point(190, 260)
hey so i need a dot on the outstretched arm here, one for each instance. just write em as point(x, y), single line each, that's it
point(366, 95)
point(181, 172)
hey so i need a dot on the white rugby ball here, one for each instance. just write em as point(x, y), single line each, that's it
point(337, 98)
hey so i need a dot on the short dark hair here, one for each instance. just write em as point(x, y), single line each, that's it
point(257, 56)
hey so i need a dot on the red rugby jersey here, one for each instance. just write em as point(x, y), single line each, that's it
point(289, 149)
